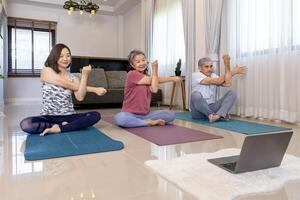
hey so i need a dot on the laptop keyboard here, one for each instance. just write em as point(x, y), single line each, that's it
point(230, 166)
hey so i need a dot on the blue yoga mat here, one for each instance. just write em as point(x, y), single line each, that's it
point(240, 126)
point(86, 141)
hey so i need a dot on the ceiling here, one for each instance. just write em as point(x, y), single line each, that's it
point(107, 7)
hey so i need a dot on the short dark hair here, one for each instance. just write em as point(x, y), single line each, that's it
point(203, 60)
point(54, 57)
point(131, 56)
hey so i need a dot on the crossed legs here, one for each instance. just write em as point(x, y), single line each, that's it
point(157, 117)
point(201, 109)
point(59, 123)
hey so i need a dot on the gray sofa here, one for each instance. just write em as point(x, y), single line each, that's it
point(114, 82)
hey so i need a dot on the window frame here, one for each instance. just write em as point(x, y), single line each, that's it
point(30, 72)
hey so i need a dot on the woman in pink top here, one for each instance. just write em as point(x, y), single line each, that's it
point(137, 94)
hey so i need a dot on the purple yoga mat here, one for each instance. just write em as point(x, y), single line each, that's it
point(169, 134)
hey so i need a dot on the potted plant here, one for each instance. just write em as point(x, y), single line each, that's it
point(178, 68)
point(1, 75)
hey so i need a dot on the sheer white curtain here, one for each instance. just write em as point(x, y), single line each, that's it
point(168, 40)
point(265, 36)
point(213, 13)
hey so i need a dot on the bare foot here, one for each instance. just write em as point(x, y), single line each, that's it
point(64, 123)
point(22, 147)
point(213, 117)
point(54, 129)
point(156, 122)
point(227, 117)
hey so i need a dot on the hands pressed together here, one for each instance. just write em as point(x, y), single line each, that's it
point(176, 79)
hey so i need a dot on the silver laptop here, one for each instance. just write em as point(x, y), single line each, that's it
point(258, 152)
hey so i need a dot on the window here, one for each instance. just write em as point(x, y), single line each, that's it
point(29, 43)
point(168, 36)
point(266, 26)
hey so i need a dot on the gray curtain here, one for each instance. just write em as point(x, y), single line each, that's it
point(147, 22)
point(213, 13)
point(188, 13)
point(3, 56)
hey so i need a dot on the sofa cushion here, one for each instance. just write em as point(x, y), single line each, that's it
point(97, 78)
point(116, 79)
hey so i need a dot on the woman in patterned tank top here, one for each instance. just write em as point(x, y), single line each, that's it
point(58, 84)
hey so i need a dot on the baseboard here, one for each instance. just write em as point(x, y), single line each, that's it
point(22, 101)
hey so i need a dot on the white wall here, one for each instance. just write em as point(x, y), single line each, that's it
point(97, 36)
point(132, 29)
point(23, 90)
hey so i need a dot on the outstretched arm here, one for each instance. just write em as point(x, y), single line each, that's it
point(147, 80)
point(213, 81)
point(49, 76)
point(154, 80)
point(100, 91)
point(82, 89)
point(239, 70)
point(169, 79)
point(97, 90)
point(227, 75)
point(221, 79)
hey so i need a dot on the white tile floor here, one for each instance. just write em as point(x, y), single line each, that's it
point(119, 175)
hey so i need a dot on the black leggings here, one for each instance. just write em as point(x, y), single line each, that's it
point(37, 124)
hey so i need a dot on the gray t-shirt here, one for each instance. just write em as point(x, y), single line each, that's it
point(56, 99)
point(208, 92)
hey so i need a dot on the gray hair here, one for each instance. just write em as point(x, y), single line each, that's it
point(134, 53)
point(131, 56)
point(203, 60)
